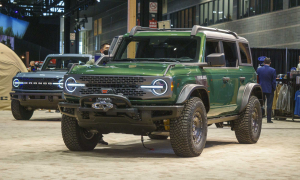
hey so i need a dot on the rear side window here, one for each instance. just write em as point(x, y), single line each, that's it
point(245, 53)
point(211, 47)
point(230, 54)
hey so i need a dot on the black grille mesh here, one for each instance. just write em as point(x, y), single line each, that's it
point(128, 86)
point(112, 79)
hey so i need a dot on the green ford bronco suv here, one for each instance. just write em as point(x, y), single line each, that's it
point(165, 82)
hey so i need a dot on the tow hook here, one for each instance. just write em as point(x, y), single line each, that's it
point(103, 103)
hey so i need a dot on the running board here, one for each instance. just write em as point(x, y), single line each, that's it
point(209, 121)
point(222, 119)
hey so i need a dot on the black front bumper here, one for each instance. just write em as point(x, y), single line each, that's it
point(38, 100)
point(122, 118)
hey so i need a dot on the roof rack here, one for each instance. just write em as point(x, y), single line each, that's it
point(194, 30)
point(139, 28)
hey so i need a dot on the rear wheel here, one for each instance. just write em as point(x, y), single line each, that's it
point(157, 137)
point(77, 138)
point(248, 126)
point(188, 132)
point(20, 112)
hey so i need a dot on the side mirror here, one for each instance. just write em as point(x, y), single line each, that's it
point(216, 59)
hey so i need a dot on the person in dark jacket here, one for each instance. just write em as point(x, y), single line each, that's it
point(267, 80)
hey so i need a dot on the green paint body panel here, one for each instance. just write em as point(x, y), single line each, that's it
point(223, 96)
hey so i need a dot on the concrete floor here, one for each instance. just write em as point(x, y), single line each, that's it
point(35, 150)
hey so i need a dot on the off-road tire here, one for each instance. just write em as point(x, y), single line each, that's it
point(73, 135)
point(157, 137)
point(181, 129)
point(244, 127)
point(20, 112)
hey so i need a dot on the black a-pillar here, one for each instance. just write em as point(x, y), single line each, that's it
point(149, 12)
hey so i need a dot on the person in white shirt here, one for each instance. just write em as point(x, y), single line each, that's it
point(298, 66)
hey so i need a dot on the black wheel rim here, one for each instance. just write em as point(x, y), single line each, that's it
point(197, 128)
point(87, 134)
point(254, 120)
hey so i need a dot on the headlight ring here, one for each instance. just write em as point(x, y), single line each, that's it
point(69, 81)
point(16, 83)
point(161, 83)
point(60, 84)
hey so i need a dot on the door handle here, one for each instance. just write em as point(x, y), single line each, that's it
point(226, 79)
point(242, 79)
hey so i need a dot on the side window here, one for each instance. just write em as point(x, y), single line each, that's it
point(245, 53)
point(211, 47)
point(230, 52)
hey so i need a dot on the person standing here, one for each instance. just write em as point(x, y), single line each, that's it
point(267, 80)
point(32, 67)
point(298, 66)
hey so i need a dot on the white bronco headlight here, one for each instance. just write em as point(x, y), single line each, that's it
point(71, 84)
point(158, 87)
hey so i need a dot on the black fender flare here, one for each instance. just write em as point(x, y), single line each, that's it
point(245, 92)
point(189, 89)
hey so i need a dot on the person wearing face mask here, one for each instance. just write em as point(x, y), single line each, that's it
point(103, 51)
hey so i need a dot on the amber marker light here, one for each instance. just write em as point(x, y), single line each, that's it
point(172, 86)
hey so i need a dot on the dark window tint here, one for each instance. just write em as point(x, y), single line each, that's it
point(277, 5)
point(245, 54)
point(293, 3)
point(211, 47)
point(158, 49)
point(252, 8)
point(265, 6)
point(230, 54)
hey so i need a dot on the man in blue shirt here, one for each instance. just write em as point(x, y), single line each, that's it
point(267, 80)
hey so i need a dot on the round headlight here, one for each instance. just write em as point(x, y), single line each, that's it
point(16, 83)
point(160, 91)
point(60, 83)
point(68, 82)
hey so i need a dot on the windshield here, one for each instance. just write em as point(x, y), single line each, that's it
point(183, 49)
point(63, 63)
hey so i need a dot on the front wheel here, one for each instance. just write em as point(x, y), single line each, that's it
point(188, 133)
point(77, 138)
point(20, 112)
point(248, 126)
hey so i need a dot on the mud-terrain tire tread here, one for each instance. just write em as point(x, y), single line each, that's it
point(157, 137)
point(180, 132)
point(243, 129)
point(20, 112)
point(73, 138)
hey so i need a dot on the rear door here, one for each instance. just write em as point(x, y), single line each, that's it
point(215, 77)
point(231, 81)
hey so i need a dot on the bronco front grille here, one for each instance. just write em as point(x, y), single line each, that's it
point(125, 92)
point(128, 86)
point(112, 79)
point(38, 84)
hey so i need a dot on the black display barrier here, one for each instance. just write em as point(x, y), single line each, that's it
point(281, 61)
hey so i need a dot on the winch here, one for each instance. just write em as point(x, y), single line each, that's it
point(103, 103)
